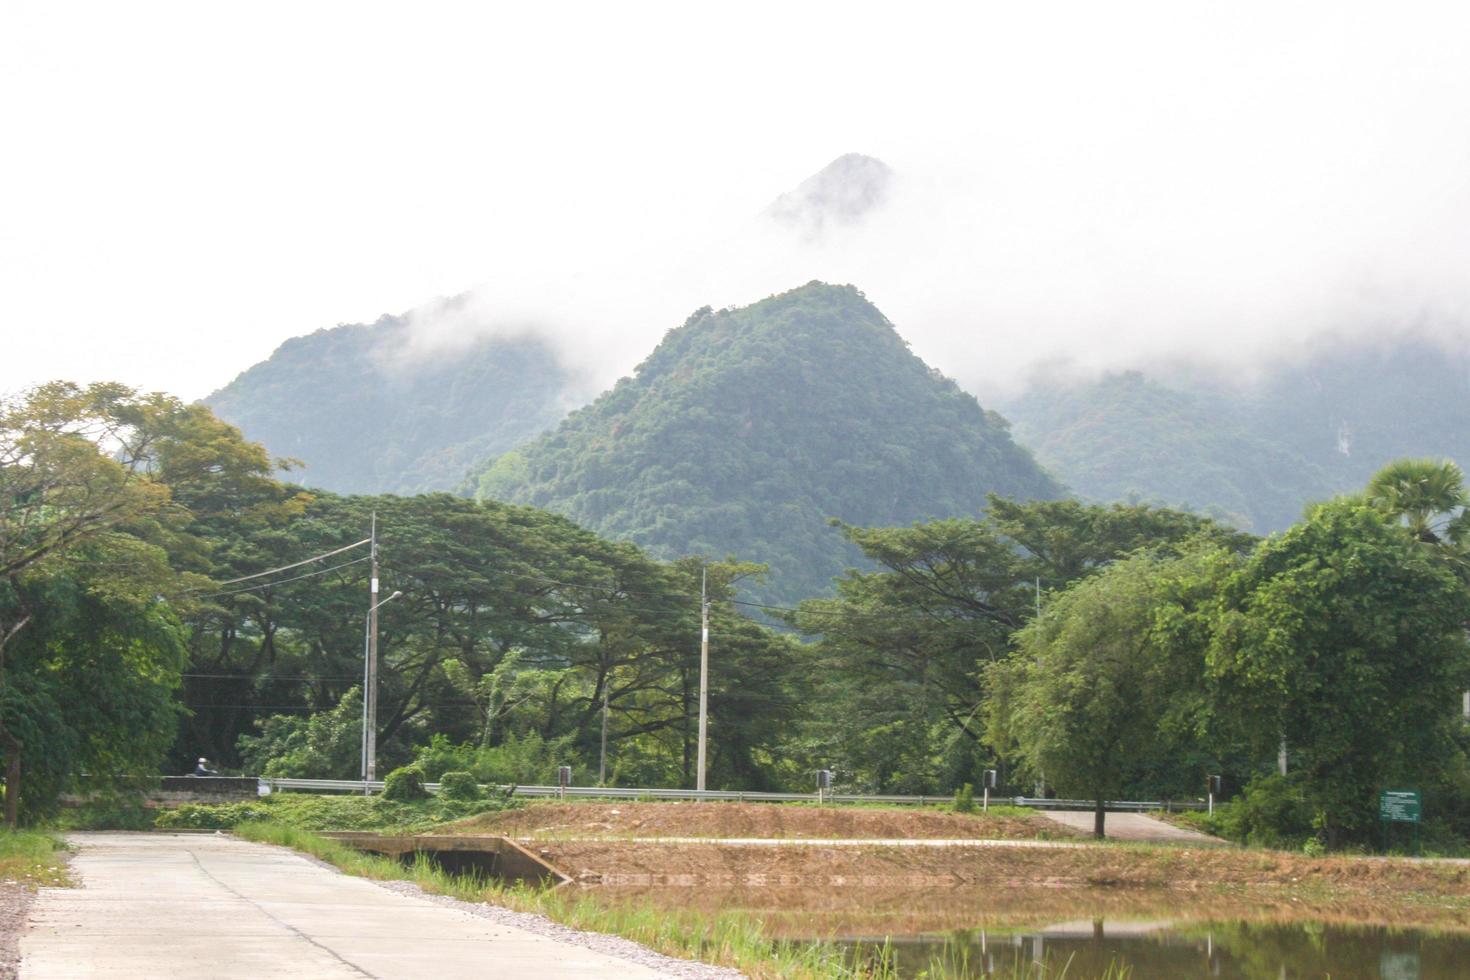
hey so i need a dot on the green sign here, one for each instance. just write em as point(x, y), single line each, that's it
point(1400, 805)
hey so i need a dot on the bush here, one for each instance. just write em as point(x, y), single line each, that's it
point(210, 816)
point(405, 783)
point(1272, 812)
point(964, 799)
point(459, 786)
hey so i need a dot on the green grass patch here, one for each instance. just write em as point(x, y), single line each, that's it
point(310, 812)
point(31, 858)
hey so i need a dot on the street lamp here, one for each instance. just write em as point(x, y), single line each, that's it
point(370, 687)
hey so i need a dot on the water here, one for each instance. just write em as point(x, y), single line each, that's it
point(1155, 934)
point(1182, 950)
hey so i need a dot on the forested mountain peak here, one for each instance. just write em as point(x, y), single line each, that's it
point(747, 429)
point(369, 408)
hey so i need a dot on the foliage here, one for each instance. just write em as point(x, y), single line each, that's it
point(459, 785)
point(747, 429)
point(313, 812)
point(404, 784)
point(1344, 637)
point(964, 799)
point(325, 745)
point(1099, 690)
point(1271, 812)
point(904, 650)
point(84, 528)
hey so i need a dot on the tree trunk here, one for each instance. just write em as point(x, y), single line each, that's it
point(12, 748)
point(1098, 815)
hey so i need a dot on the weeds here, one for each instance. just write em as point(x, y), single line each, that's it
point(32, 859)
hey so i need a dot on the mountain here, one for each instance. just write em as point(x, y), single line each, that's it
point(364, 413)
point(842, 193)
point(1253, 453)
point(1126, 437)
point(747, 429)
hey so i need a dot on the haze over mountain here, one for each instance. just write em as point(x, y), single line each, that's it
point(365, 410)
point(747, 429)
point(1254, 452)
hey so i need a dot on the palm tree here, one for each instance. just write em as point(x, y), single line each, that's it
point(1428, 495)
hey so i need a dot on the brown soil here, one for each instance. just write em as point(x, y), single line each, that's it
point(742, 820)
point(639, 863)
point(801, 890)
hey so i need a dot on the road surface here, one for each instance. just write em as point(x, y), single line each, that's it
point(190, 905)
point(1131, 826)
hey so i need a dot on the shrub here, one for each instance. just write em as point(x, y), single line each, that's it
point(405, 783)
point(1272, 812)
point(210, 816)
point(459, 786)
point(964, 799)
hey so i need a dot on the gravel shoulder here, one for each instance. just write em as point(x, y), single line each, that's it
point(15, 904)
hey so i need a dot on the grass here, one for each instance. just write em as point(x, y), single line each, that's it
point(311, 812)
point(734, 939)
point(31, 858)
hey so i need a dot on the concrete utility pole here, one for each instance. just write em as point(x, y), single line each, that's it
point(703, 672)
point(602, 758)
point(370, 693)
point(370, 670)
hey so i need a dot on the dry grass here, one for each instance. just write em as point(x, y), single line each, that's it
point(596, 819)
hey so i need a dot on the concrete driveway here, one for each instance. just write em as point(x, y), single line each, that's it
point(189, 905)
point(1131, 826)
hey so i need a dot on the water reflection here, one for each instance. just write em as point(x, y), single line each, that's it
point(1154, 949)
point(1003, 931)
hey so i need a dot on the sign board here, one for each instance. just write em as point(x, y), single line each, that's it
point(1400, 805)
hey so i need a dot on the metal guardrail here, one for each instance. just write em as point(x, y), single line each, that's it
point(738, 796)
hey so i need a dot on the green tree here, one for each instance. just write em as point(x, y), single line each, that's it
point(72, 474)
point(1104, 685)
point(904, 649)
point(1345, 637)
point(1427, 495)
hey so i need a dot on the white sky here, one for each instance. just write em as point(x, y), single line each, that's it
point(183, 186)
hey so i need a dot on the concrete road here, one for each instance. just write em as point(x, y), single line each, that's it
point(1131, 826)
point(189, 905)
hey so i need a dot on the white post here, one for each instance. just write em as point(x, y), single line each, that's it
point(1212, 803)
point(370, 696)
point(985, 807)
point(703, 675)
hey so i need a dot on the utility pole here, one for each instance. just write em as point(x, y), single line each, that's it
point(370, 696)
point(703, 672)
point(602, 759)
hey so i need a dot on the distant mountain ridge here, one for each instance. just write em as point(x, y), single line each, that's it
point(1254, 454)
point(747, 429)
point(362, 422)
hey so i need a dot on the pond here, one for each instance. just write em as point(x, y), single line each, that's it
point(1081, 934)
point(1181, 950)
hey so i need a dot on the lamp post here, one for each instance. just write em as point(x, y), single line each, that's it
point(370, 683)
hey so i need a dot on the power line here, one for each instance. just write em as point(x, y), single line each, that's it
point(305, 561)
point(284, 581)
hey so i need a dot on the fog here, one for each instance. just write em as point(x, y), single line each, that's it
point(1297, 183)
point(1072, 186)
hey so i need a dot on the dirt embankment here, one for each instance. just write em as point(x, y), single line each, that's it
point(1173, 868)
point(743, 820)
